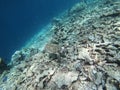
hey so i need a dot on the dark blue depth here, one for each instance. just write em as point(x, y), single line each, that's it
point(20, 20)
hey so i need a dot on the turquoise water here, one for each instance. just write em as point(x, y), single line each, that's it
point(20, 20)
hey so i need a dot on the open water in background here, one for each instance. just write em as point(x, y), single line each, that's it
point(21, 19)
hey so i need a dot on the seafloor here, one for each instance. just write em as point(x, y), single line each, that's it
point(78, 51)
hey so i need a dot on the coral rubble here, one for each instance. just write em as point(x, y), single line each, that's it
point(82, 54)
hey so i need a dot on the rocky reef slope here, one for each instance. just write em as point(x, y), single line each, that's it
point(83, 53)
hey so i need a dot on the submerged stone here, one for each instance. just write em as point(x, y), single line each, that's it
point(3, 65)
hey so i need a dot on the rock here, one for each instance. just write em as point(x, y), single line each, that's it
point(53, 56)
point(45, 73)
point(31, 87)
point(33, 51)
point(52, 86)
point(117, 57)
point(110, 86)
point(91, 38)
point(100, 87)
point(52, 48)
point(17, 57)
point(98, 78)
point(117, 44)
point(113, 72)
point(78, 66)
point(84, 54)
point(83, 78)
point(29, 73)
point(61, 78)
point(83, 85)
point(111, 47)
point(3, 66)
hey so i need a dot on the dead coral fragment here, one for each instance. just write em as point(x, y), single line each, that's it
point(61, 78)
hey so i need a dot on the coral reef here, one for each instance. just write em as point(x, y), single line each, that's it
point(83, 53)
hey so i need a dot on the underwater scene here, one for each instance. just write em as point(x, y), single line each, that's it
point(21, 20)
point(76, 47)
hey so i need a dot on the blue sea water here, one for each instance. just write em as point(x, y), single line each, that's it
point(21, 19)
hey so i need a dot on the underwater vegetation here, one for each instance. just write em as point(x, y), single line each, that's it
point(78, 51)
